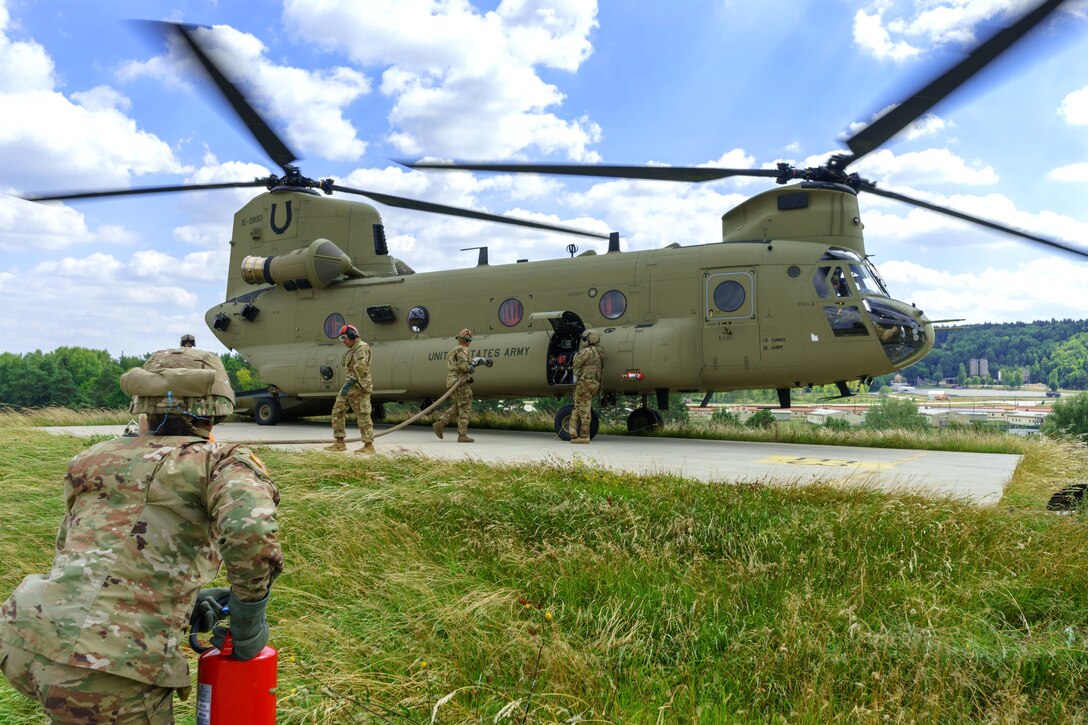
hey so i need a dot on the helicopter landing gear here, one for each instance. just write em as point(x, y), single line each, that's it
point(644, 420)
point(267, 411)
point(377, 412)
point(562, 422)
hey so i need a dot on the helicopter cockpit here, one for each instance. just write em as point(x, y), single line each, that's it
point(900, 334)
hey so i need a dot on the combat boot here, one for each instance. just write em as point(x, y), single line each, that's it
point(463, 438)
point(368, 448)
point(338, 445)
point(582, 440)
point(438, 428)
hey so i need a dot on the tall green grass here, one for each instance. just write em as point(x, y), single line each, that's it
point(469, 593)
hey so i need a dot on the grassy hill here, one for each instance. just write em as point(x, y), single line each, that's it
point(419, 590)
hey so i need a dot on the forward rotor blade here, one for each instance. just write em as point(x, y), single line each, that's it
point(879, 131)
point(652, 173)
point(403, 203)
point(271, 143)
point(142, 190)
point(977, 220)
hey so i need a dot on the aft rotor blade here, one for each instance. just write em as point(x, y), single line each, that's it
point(651, 173)
point(271, 143)
point(142, 190)
point(404, 203)
point(977, 220)
point(879, 131)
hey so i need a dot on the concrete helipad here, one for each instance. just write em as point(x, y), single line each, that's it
point(978, 477)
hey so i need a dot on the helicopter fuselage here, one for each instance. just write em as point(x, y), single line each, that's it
point(766, 313)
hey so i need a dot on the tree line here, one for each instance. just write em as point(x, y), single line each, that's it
point(1054, 353)
point(78, 377)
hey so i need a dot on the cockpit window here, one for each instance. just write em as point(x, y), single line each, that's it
point(819, 281)
point(831, 282)
point(882, 289)
point(863, 280)
point(838, 283)
point(845, 321)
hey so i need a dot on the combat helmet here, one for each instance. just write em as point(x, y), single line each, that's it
point(591, 337)
point(465, 334)
point(180, 381)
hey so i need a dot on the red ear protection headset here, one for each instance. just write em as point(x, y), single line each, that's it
point(349, 331)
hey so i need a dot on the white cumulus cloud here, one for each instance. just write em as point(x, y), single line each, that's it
point(465, 82)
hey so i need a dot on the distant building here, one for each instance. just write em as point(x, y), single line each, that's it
point(979, 367)
point(1026, 422)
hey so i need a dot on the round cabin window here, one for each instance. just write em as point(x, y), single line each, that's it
point(333, 323)
point(510, 312)
point(613, 304)
point(418, 319)
point(729, 296)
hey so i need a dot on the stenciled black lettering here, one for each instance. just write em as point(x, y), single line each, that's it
point(276, 227)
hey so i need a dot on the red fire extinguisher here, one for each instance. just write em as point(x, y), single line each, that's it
point(234, 692)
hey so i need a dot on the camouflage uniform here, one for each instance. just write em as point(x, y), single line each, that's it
point(357, 367)
point(458, 363)
point(149, 520)
point(588, 365)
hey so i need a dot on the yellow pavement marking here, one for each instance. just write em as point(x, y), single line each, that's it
point(830, 462)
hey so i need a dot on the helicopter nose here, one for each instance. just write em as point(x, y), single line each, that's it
point(905, 333)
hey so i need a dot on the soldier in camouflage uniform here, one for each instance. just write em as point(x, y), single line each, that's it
point(355, 394)
point(458, 362)
point(150, 517)
point(588, 366)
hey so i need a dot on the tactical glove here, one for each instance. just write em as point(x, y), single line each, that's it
point(208, 608)
point(347, 387)
point(248, 628)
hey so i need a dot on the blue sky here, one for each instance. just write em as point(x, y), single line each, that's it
point(90, 102)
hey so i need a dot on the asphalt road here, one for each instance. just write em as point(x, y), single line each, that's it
point(977, 477)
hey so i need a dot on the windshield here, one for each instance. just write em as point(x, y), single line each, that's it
point(865, 281)
point(865, 276)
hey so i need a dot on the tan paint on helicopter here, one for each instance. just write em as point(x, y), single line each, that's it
point(671, 333)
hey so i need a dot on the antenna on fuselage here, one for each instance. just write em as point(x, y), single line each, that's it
point(482, 260)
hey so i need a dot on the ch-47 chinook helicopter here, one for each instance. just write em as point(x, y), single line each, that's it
point(787, 298)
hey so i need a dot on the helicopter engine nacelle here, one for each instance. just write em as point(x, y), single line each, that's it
point(316, 266)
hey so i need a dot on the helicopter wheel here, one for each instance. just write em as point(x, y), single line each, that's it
point(267, 411)
point(644, 420)
point(377, 412)
point(562, 422)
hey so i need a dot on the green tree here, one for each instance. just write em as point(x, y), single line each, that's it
point(1068, 417)
point(895, 413)
point(242, 375)
point(837, 423)
point(724, 416)
point(961, 376)
point(762, 418)
point(677, 412)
